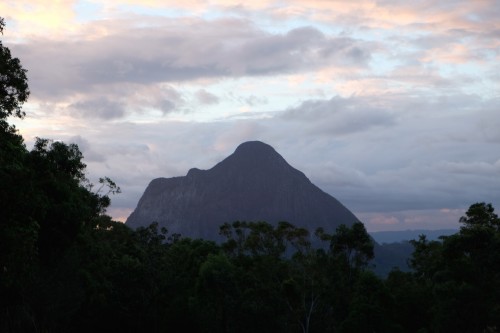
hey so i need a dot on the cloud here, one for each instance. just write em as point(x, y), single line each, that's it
point(338, 116)
point(102, 108)
point(132, 69)
point(154, 88)
point(382, 220)
point(204, 97)
point(390, 14)
point(473, 168)
point(413, 219)
point(177, 51)
point(39, 17)
point(89, 154)
point(248, 100)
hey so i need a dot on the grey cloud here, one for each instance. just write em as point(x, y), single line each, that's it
point(206, 98)
point(131, 149)
point(117, 101)
point(298, 50)
point(166, 106)
point(357, 54)
point(86, 149)
point(347, 53)
point(495, 74)
point(482, 168)
point(425, 153)
point(255, 100)
point(305, 35)
point(147, 71)
point(102, 108)
point(339, 116)
point(180, 51)
point(488, 123)
point(251, 100)
point(164, 98)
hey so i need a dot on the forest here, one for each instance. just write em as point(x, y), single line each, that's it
point(66, 266)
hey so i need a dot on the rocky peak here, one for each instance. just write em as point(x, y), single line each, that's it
point(255, 183)
point(253, 157)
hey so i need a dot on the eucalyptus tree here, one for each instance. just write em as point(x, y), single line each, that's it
point(14, 89)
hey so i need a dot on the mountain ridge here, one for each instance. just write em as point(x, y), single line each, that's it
point(255, 183)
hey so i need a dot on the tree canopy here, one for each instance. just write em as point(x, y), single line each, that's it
point(14, 89)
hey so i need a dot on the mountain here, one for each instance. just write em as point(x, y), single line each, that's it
point(255, 183)
point(406, 235)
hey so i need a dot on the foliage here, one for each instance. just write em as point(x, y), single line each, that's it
point(263, 239)
point(351, 248)
point(14, 89)
point(480, 215)
point(461, 273)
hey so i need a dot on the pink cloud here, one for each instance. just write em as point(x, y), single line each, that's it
point(432, 219)
point(41, 17)
point(383, 220)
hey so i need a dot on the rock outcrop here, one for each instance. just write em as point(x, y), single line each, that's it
point(255, 183)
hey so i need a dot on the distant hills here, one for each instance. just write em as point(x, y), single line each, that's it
point(393, 248)
point(255, 183)
point(406, 235)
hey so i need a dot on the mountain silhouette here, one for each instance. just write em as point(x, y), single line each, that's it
point(255, 183)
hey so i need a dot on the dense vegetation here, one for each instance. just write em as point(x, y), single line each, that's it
point(65, 266)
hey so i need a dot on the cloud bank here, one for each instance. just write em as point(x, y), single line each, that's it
point(391, 107)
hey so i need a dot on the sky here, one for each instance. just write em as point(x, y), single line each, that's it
point(392, 107)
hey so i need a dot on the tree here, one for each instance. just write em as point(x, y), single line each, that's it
point(352, 247)
point(426, 257)
point(304, 289)
point(371, 307)
point(14, 89)
point(480, 215)
point(271, 286)
point(461, 273)
point(263, 239)
point(181, 298)
point(217, 294)
point(412, 301)
point(49, 218)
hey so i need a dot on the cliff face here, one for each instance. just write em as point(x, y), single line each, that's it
point(255, 183)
